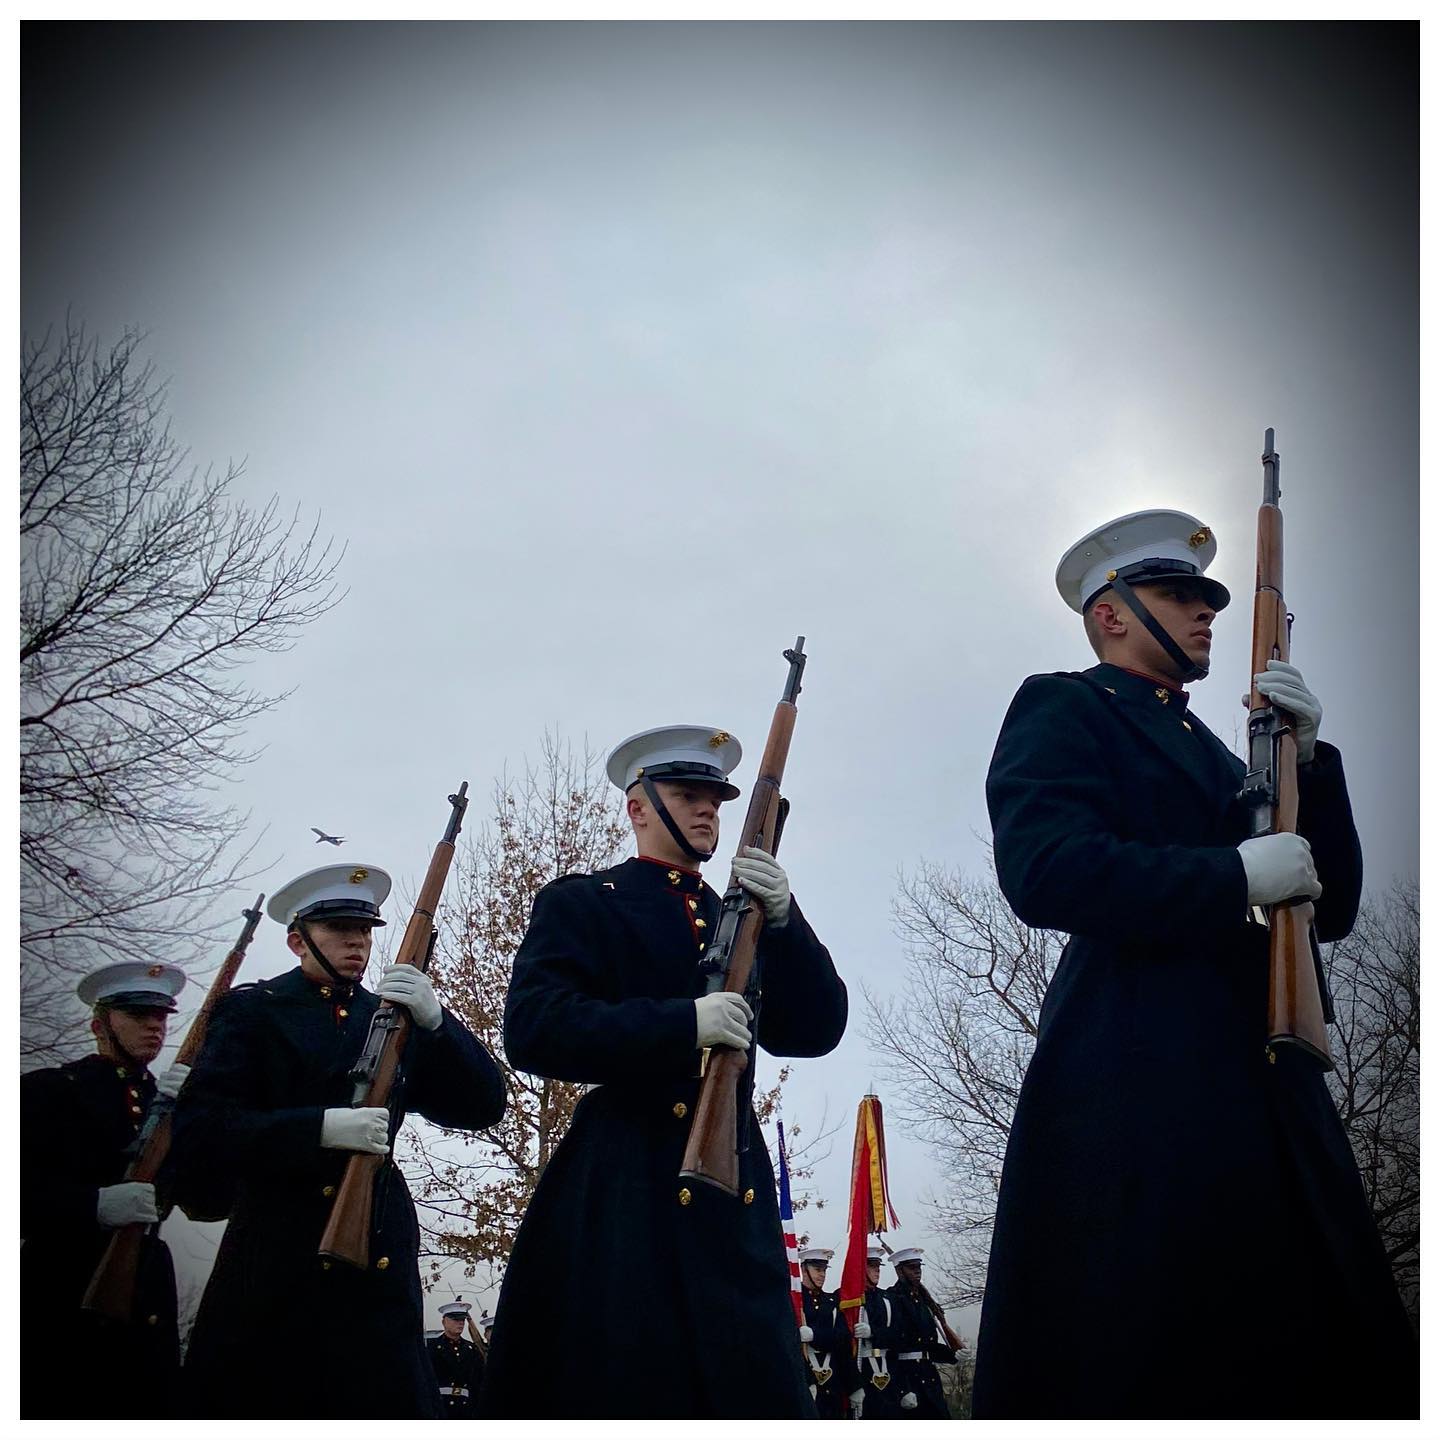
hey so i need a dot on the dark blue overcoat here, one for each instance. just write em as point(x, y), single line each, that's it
point(618, 1300)
point(77, 1123)
point(1181, 1228)
point(279, 1334)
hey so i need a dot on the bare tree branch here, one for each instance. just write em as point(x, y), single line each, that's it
point(145, 587)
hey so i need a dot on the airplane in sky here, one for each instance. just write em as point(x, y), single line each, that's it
point(328, 839)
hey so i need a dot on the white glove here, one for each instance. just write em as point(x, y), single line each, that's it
point(908, 1401)
point(857, 1397)
point(1283, 685)
point(1278, 867)
point(366, 1129)
point(806, 1334)
point(722, 1019)
point(171, 1080)
point(762, 876)
point(407, 986)
point(129, 1203)
point(862, 1330)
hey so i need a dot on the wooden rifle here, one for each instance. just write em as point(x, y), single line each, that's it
point(376, 1073)
point(111, 1291)
point(712, 1152)
point(1299, 1004)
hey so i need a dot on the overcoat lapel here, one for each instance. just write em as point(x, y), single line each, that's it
point(1161, 723)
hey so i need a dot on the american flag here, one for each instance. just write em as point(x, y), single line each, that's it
point(787, 1224)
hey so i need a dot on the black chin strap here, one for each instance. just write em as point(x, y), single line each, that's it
point(658, 805)
point(1188, 668)
point(125, 1056)
point(319, 954)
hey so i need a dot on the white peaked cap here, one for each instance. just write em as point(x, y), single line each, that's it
point(1173, 543)
point(457, 1306)
point(333, 892)
point(816, 1252)
point(133, 982)
point(900, 1257)
point(676, 752)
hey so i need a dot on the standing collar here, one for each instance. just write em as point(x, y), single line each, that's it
point(660, 875)
point(1144, 689)
point(297, 983)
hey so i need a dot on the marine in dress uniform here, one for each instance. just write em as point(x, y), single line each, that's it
point(825, 1339)
point(874, 1334)
point(918, 1343)
point(263, 1133)
point(458, 1363)
point(607, 991)
point(77, 1124)
point(1169, 1182)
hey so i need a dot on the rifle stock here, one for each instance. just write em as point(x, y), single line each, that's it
point(712, 1148)
point(347, 1232)
point(111, 1291)
point(1296, 1007)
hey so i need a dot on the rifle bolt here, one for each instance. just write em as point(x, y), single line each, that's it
point(684, 1197)
point(383, 1263)
point(678, 1110)
point(749, 1197)
point(328, 1191)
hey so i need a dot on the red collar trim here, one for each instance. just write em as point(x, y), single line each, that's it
point(666, 865)
point(1153, 680)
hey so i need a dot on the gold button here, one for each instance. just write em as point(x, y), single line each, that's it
point(134, 1109)
point(1186, 724)
point(693, 904)
point(700, 945)
point(749, 1197)
point(153, 1320)
point(383, 1263)
point(324, 1264)
point(120, 1071)
point(325, 992)
point(684, 1197)
point(328, 1191)
point(699, 924)
point(1110, 574)
point(679, 1111)
point(673, 876)
point(344, 1014)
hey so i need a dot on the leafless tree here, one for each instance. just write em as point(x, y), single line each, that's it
point(955, 1043)
point(557, 818)
point(1375, 978)
point(957, 1040)
point(145, 587)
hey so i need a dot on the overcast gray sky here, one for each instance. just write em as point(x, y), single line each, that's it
point(620, 354)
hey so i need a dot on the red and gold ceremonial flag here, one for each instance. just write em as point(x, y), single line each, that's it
point(870, 1207)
